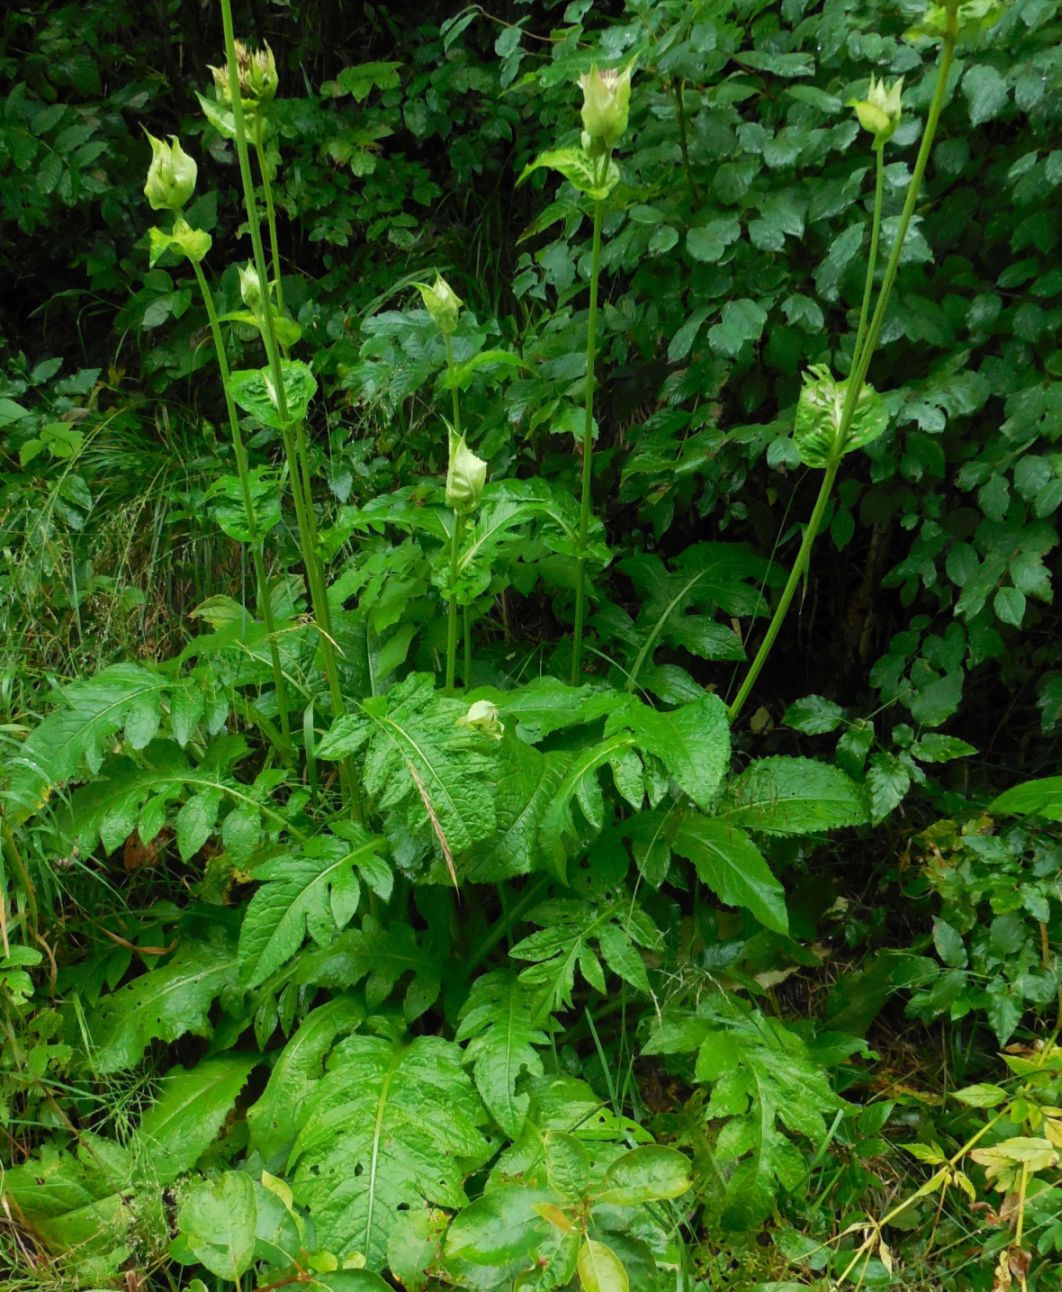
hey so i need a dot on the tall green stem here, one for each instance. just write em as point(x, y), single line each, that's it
point(861, 363)
point(244, 471)
point(271, 211)
point(872, 259)
point(305, 518)
point(456, 534)
point(588, 450)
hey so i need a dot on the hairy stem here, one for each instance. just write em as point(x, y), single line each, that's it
point(588, 451)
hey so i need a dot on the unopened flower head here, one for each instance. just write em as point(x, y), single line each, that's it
point(251, 288)
point(880, 111)
point(606, 105)
point(171, 175)
point(465, 476)
point(256, 72)
point(482, 716)
point(442, 303)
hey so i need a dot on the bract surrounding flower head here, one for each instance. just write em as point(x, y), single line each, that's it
point(442, 303)
point(465, 476)
point(606, 106)
point(880, 111)
point(250, 287)
point(482, 716)
point(256, 72)
point(171, 175)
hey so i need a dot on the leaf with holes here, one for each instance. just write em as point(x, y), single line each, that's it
point(389, 1127)
point(162, 1004)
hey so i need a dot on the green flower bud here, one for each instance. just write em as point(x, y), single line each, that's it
point(606, 104)
point(880, 111)
point(171, 175)
point(483, 717)
point(442, 303)
point(465, 476)
point(256, 72)
point(251, 288)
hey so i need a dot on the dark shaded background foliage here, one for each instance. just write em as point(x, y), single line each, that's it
point(940, 573)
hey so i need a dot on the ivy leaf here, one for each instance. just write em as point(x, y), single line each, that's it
point(498, 1023)
point(731, 865)
point(793, 796)
point(814, 715)
point(162, 1004)
point(742, 322)
point(315, 892)
point(387, 1128)
point(817, 427)
point(189, 1112)
point(256, 393)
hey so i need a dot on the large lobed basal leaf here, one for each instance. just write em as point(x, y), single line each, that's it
point(389, 1127)
point(74, 738)
point(503, 1038)
point(428, 774)
point(315, 892)
point(162, 1004)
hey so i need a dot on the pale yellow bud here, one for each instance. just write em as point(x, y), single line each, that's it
point(442, 303)
point(251, 288)
point(171, 175)
point(483, 717)
point(465, 476)
point(880, 112)
point(606, 105)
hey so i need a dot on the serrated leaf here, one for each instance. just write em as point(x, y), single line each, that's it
point(388, 1127)
point(420, 764)
point(819, 416)
point(692, 741)
point(75, 736)
point(188, 1113)
point(162, 1004)
point(218, 1221)
point(501, 1033)
point(731, 865)
point(814, 715)
point(312, 893)
point(274, 1120)
point(256, 393)
point(588, 175)
point(793, 796)
point(981, 1095)
point(383, 955)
